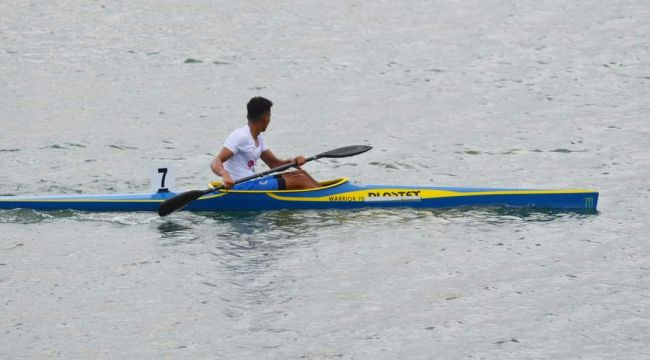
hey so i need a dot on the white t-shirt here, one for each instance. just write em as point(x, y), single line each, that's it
point(245, 153)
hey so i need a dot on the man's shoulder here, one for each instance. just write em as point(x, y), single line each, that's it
point(239, 133)
point(237, 138)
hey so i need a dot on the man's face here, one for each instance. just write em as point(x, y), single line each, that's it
point(266, 121)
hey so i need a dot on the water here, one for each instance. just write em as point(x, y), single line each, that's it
point(532, 94)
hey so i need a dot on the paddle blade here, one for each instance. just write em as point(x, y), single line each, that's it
point(345, 151)
point(179, 201)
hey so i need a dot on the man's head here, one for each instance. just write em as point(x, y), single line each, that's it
point(259, 110)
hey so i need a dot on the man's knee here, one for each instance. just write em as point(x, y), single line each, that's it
point(304, 181)
point(298, 179)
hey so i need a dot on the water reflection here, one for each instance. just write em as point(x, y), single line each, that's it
point(287, 223)
point(249, 253)
point(252, 251)
point(255, 261)
point(497, 214)
point(176, 232)
point(28, 216)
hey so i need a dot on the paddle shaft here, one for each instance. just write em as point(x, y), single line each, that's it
point(181, 200)
point(263, 173)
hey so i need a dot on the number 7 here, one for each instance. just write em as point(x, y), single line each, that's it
point(162, 181)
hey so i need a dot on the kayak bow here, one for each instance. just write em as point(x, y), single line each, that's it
point(335, 194)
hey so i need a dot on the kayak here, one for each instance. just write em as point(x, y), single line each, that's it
point(334, 194)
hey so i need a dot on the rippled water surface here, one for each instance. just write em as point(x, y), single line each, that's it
point(531, 94)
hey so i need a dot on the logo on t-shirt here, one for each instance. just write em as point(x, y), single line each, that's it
point(250, 164)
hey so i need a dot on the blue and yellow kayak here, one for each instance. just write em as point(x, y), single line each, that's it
point(335, 194)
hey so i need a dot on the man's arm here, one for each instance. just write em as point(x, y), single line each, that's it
point(217, 167)
point(272, 161)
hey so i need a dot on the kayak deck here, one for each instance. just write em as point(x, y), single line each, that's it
point(334, 194)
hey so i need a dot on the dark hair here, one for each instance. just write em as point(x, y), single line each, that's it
point(258, 107)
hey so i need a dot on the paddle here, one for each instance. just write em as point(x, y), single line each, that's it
point(182, 200)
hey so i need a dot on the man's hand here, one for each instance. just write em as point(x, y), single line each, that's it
point(228, 182)
point(300, 160)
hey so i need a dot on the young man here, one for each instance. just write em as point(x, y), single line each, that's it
point(246, 145)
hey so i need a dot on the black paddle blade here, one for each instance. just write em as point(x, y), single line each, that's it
point(345, 151)
point(179, 201)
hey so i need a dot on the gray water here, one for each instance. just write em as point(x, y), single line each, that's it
point(532, 94)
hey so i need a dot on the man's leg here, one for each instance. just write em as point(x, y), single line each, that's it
point(299, 179)
point(260, 184)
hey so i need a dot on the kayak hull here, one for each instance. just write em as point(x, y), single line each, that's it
point(336, 194)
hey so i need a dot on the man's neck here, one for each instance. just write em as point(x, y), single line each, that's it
point(255, 129)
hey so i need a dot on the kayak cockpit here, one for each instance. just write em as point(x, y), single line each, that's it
point(328, 184)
